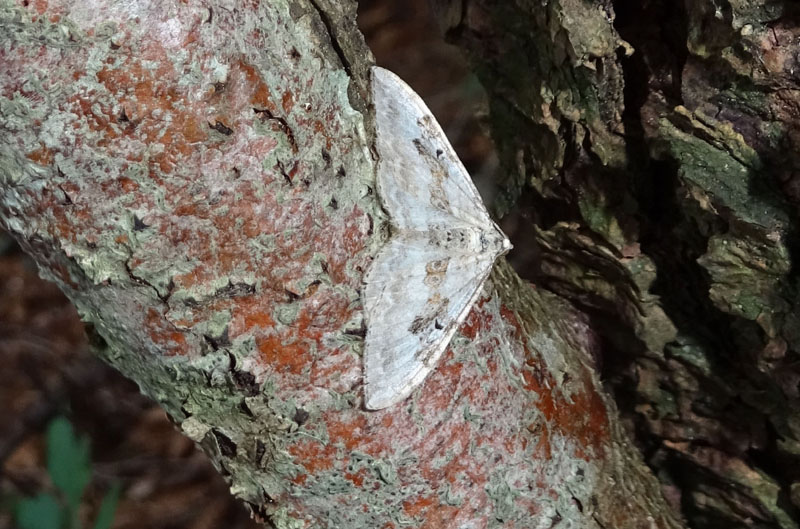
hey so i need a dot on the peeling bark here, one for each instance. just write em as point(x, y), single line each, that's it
point(199, 180)
point(655, 144)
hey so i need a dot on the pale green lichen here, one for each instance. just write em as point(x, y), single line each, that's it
point(15, 169)
point(281, 520)
point(286, 313)
point(502, 496)
point(749, 278)
point(447, 497)
point(721, 165)
point(18, 28)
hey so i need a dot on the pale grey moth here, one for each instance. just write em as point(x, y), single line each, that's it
point(424, 281)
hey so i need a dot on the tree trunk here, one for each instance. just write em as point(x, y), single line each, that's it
point(654, 145)
point(199, 180)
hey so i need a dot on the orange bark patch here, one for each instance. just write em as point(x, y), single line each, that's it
point(510, 317)
point(250, 313)
point(42, 156)
point(97, 118)
point(164, 335)
point(346, 432)
point(441, 517)
point(260, 319)
point(471, 325)
point(319, 314)
point(349, 243)
point(476, 320)
point(454, 434)
point(416, 506)
point(583, 417)
point(283, 357)
point(128, 185)
point(448, 375)
point(39, 5)
point(287, 101)
point(244, 77)
point(319, 128)
point(51, 203)
point(350, 433)
point(323, 373)
point(357, 478)
point(148, 100)
point(543, 446)
point(313, 456)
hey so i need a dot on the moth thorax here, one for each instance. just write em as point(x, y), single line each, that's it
point(495, 242)
point(457, 238)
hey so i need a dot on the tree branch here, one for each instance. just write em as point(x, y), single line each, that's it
point(199, 180)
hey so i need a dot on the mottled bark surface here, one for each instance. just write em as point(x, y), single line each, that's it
point(199, 179)
point(653, 146)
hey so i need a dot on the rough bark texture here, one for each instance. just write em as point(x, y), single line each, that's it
point(655, 146)
point(198, 178)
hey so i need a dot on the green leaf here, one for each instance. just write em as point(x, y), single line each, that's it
point(40, 512)
point(68, 461)
point(107, 508)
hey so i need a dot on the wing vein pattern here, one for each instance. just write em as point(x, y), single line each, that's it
point(443, 243)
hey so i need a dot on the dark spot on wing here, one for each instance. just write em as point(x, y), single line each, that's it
point(417, 325)
point(434, 307)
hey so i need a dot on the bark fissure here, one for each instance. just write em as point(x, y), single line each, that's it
point(329, 27)
point(689, 185)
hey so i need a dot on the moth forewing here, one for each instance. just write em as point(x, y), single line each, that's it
point(420, 177)
point(443, 243)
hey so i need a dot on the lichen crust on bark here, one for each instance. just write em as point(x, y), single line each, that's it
point(199, 179)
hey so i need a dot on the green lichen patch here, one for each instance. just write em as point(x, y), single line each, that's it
point(715, 160)
point(748, 277)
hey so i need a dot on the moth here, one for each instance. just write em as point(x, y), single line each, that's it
point(442, 245)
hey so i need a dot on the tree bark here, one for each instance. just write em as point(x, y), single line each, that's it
point(199, 179)
point(655, 146)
